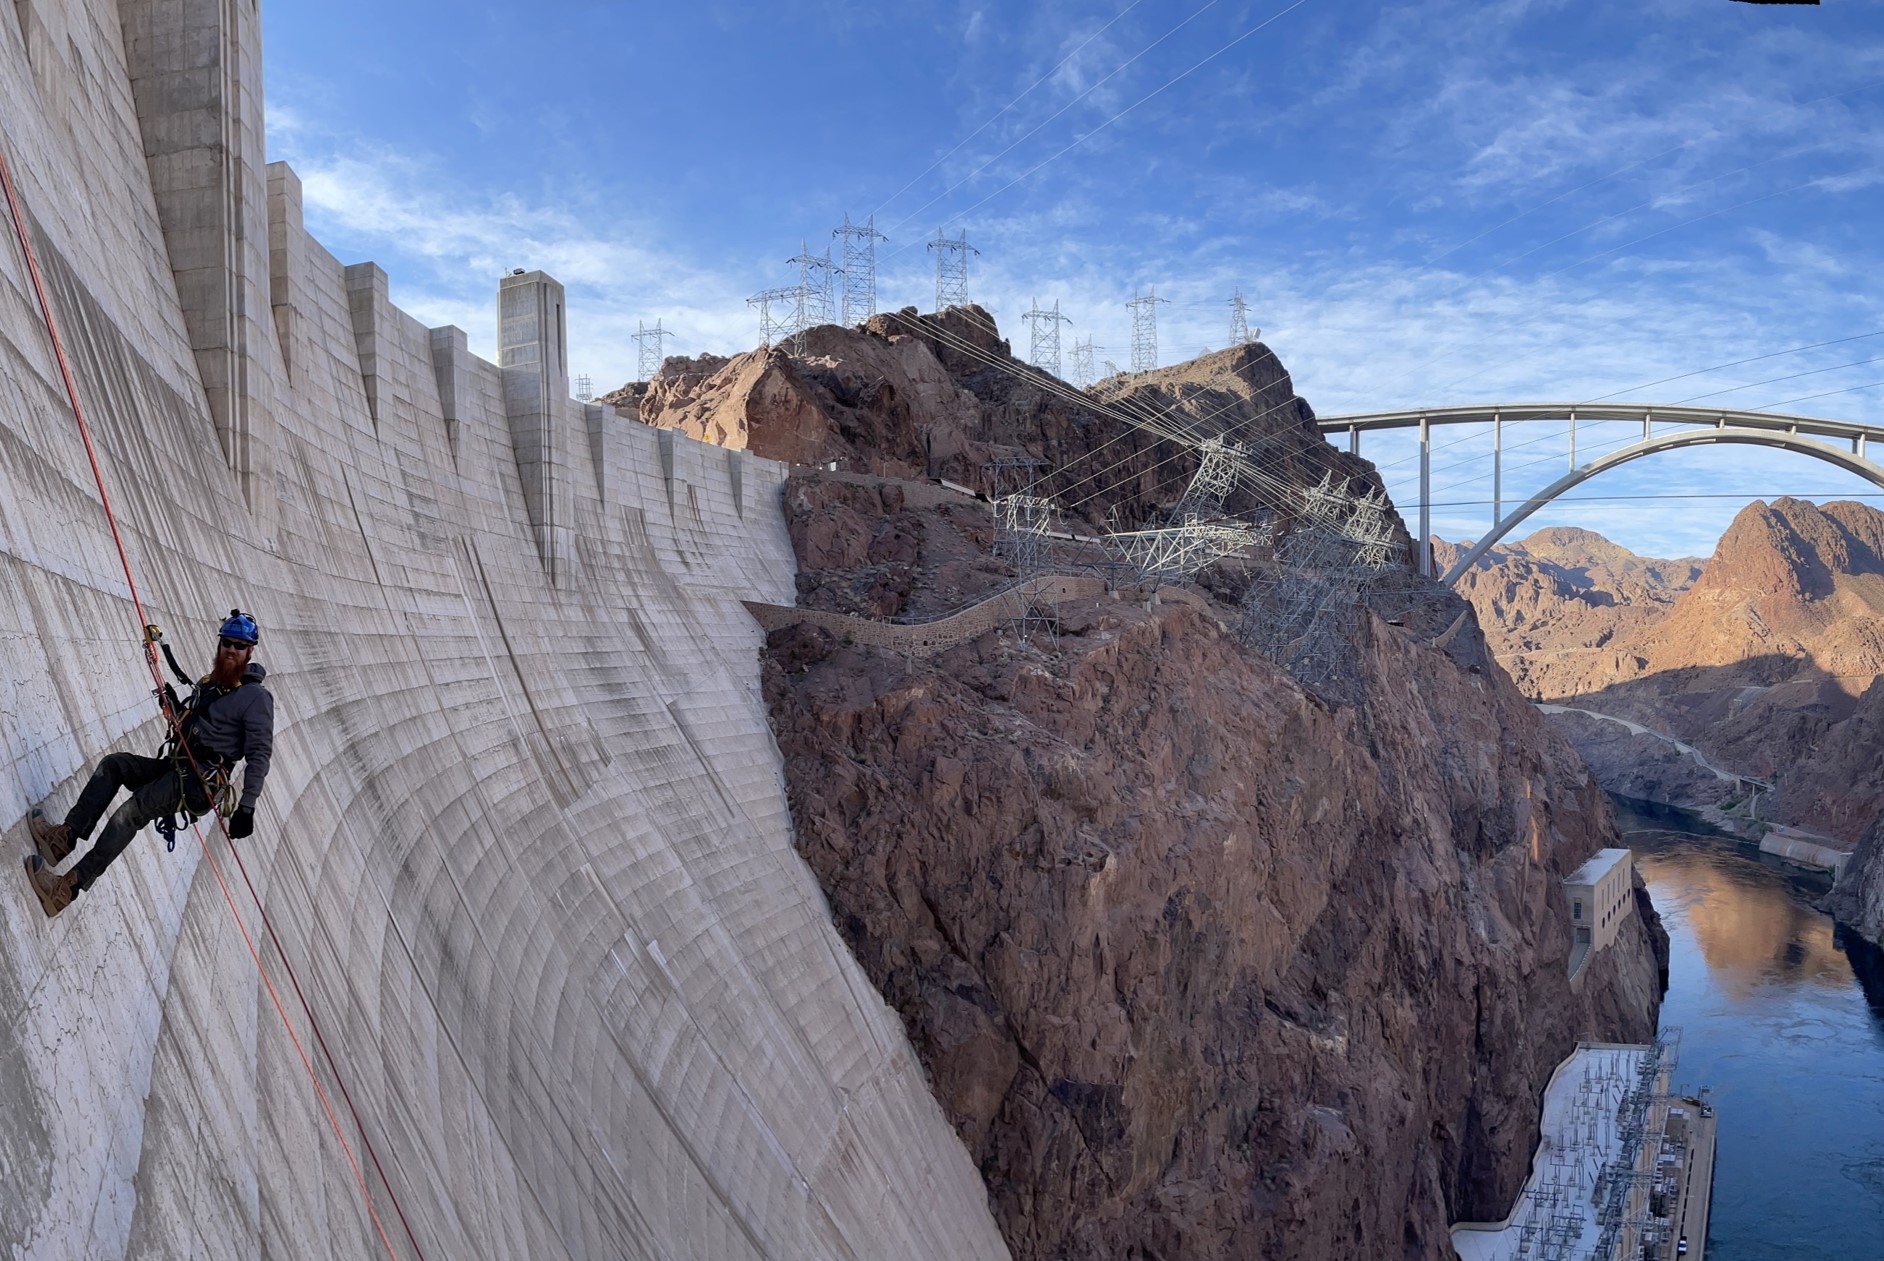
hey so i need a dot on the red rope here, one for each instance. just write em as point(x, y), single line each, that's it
point(150, 659)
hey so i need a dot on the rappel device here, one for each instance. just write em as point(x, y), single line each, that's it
point(218, 787)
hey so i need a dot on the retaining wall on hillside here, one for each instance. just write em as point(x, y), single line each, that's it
point(525, 839)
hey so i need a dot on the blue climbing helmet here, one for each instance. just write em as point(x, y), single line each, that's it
point(241, 627)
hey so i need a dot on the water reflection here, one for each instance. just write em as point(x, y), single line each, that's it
point(1782, 1015)
point(1750, 924)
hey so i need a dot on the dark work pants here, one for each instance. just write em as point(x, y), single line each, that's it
point(154, 793)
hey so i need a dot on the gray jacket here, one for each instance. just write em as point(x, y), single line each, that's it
point(235, 726)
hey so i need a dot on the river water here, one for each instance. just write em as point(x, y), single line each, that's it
point(1783, 1018)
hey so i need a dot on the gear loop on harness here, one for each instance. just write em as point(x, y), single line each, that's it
point(213, 781)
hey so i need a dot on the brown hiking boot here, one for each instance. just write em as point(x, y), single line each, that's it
point(53, 840)
point(55, 892)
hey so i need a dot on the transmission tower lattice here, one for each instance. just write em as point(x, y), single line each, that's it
point(1045, 328)
point(1082, 374)
point(585, 389)
point(785, 313)
point(815, 282)
point(648, 343)
point(1196, 533)
point(1144, 309)
point(951, 269)
point(1305, 613)
point(1021, 522)
point(1239, 320)
point(778, 314)
point(860, 267)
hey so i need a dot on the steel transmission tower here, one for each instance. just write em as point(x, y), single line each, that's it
point(585, 390)
point(648, 342)
point(951, 269)
point(1239, 320)
point(1045, 327)
point(860, 268)
point(815, 283)
point(785, 313)
point(1144, 309)
point(778, 314)
point(1083, 375)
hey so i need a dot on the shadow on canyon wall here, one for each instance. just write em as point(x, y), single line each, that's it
point(1774, 717)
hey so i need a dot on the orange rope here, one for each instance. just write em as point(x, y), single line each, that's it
point(150, 658)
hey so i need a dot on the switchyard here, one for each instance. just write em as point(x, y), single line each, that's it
point(1623, 1167)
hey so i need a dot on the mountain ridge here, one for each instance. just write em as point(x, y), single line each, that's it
point(1770, 661)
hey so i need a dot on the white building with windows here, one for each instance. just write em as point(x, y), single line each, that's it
point(1600, 894)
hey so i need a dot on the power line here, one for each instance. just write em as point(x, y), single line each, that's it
point(1805, 398)
point(998, 114)
point(648, 345)
point(1094, 87)
point(1129, 108)
point(1673, 227)
point(1749, 496)
point(1721, 367)
point(1239, 320)
point(1856, 363)
point(1476, 432)
point(1082, 374)
point(1624, 170)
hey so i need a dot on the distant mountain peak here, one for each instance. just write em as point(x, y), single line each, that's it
point(1796, 550)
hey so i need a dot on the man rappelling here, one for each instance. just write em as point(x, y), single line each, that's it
point(228, 717)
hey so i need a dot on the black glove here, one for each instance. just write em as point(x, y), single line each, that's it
point(241, 823)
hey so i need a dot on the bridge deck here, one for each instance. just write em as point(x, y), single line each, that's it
point(1486, 413)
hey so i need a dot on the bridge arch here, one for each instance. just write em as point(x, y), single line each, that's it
point(1851, 462)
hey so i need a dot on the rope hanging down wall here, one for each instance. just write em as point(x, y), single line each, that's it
point(150, 658)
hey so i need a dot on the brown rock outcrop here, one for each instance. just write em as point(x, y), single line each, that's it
point(1561, 606)
point(1200, 965)
point(1771, 663)
point(1858, 900)
point(911, 395)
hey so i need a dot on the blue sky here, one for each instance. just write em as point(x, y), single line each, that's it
point(1442, 203)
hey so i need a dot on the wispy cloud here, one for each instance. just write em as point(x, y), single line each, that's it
point(449, 244)
point(1450, 202)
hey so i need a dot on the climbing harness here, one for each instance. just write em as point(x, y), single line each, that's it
point(217, 789)
point(150, 659)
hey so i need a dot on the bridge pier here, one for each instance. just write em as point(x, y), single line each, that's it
point(1426, 499)
point(1498, 469)
point(1684, 427)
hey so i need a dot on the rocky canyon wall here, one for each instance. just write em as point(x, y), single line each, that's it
point(1768, 660)
point(1200, 963)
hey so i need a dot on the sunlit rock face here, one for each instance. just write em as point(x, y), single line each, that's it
point(1769, 663)
point(1199, 963)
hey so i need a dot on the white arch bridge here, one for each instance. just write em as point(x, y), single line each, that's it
point(1839, 442)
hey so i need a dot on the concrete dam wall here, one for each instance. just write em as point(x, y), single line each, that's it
point(525, 841)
